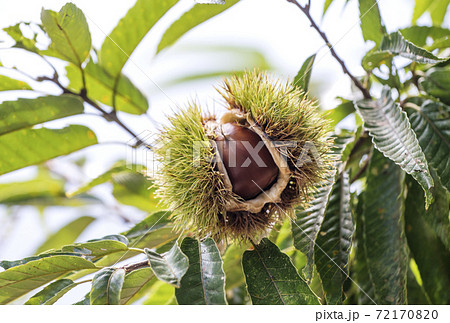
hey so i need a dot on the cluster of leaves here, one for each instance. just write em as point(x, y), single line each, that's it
point(377, 230)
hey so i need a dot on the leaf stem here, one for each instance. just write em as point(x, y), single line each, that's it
point(306, 11)
point(135, 266)
point(137, 250)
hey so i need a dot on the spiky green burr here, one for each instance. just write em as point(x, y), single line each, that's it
point(196, 182)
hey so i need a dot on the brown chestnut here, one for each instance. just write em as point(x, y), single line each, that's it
point(249, 164)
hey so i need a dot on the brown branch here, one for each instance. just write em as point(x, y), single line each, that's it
point(110, 116)
point(138, 265)
point(358, 84)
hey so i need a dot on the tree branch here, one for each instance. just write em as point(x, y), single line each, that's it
point(358, 84)
point(138, 265)
point(111, 116)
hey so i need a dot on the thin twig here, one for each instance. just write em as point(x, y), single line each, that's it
point(111, 116)
point(305, 10)
point(138, 265)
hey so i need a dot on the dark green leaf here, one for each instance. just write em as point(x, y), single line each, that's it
point(332, 248)
point(66, 235)
point(85, 301)
point(194, 17)
point(50, 294)
point(301, 81)
point(169, 267)
point(391, 134)
point(101, 86)
point(28, 147)
point(272, 279)
point(431, 123)
point(69, 33)
point(10, 84)
point(396, 44)
point(136, 283)
point(431, 257)
point(308, 222)
point(371, 25)
point(106, 286)
point(437, 83)
point(365, 295)
point(416, 293)
point(204, 282)
point(19, 280)
point(384, 240)
point(24, 113)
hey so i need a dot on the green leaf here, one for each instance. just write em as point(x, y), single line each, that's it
point(50, 294)
point(154, 231)
point(24, 113)
point(391, 134)
point(40, 188)
point(431, 123)
point(21, 41)
point(69, 33)
point(272, 279)
point(397, 44)
point(301, 81)
point(9, 84)
point(420, 34)
point(85, 301)
point(91, 250)
point(430, 255)
point(374, 59)
point(28, 147)
point(384, 240)
point(437, 10)
point(135, 189)
point(96, 248)
point(365, 295)
point(102, 87)
point(332, 248)
point(66, 235)
point(371, 24)
point(204, 282)
point(160, 294)
point(106, 286)
point(129, 32)
point(232, 259)
point(306, 226)
point(103, 178)
point(437, 83)
point(19, 280)
point(326, 6)
point(337, 114)
point(416, 293)
point(136, 283)
point(169, 267)
point(194, 17)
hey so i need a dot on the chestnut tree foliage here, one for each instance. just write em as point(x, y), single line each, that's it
point(377, 230)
